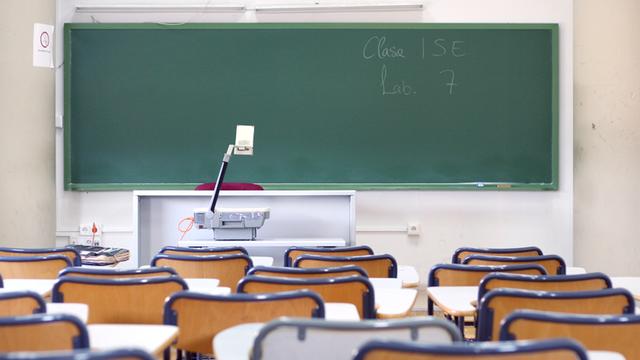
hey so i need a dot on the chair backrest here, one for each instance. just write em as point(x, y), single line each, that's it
point(19, 303)
point(324, 339)
point(81, 354)
point(229, 269)
point(72, 254)
point(200, 317)
point(118, 273)
point(292, 253)
point(42, 332)
point(497, 304)
point(119, 301)
point(601, 333)
point(376, 266)
point(556, 349)
point(289, 272)
point(223, 250)
point(468, 275)
point(356, 290)
point(553, 264)
point(580, 282)
point(33, 267)
point(463, 252)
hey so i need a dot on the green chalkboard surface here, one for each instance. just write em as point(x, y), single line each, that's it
point(364, 106)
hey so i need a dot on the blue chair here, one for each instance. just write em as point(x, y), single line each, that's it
point(42, 332)
point(553, 264)
point(356, 290)
point(119, 301)
point(579, 282)
point(376, 266)
point(71, 253)
point(317, 339)
point(497, 304)
point(306, 273)
point(467, 275)
point(292, 253)
point(542, 350)
point(222, 250)
point(229, 269)
point(33, 267)
point(19, 303)
point(200, 317)
point(119, 354)
point(595, 332)
point(118, 273)
point(460, 253)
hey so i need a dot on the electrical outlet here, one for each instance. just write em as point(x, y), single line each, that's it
point(85, 229)
point(413, 229)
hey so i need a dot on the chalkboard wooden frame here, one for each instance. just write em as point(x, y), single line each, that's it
point(69, 184)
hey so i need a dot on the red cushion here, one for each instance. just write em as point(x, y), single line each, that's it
point(230, 186)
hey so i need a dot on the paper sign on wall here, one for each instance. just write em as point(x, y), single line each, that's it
point(42, 45)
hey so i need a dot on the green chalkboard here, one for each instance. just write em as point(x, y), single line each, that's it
point(364, 106)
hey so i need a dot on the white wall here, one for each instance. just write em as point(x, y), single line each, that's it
point(27, 189)
point(449, 219)
point(607, 136)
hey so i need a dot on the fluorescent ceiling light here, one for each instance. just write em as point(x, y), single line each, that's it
point(340, 7)
point(173, 8)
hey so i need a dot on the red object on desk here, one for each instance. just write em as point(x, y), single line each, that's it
point(230, 186)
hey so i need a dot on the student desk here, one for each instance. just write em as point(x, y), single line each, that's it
point(630, 283)
point(154, 339)
point(81, 311)
point(40, 286)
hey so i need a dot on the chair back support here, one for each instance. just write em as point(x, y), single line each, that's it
point(119, 301)
point(463, 252)
point(356, 290)
point(580, 282)
point(83, 354)
point(42, 332)
point(557, 349)
point(20, 303)
point(553, 264)
point(376, 266)
point(300, 273)
point(292, 253)
point(602, 333)
point(471, 275)
point(223, 250)
point(33, 267)
point(200, 317)
point(229, 269)
point(72, 254)
point(497, 304)
point(468, 275)
point(118, 273)
point(313, 339)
